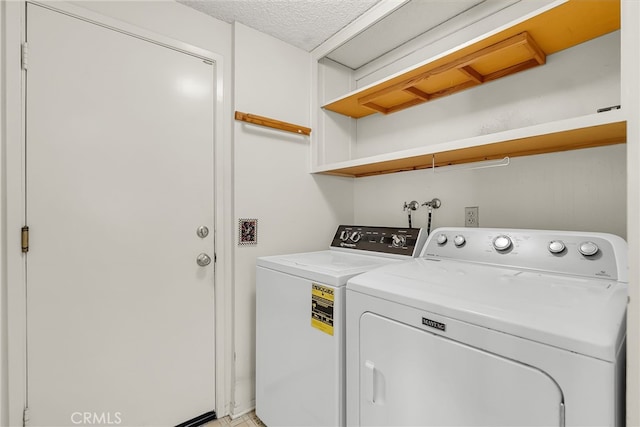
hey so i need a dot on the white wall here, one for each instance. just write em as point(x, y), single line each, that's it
point(572, 190)
point(296, 211)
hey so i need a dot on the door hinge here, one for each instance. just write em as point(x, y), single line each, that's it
point(25, 239)
point(25, 55)
point(25, 417)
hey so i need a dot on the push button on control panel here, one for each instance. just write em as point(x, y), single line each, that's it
point(502, 243)
point(588, 248)
point(556, 246)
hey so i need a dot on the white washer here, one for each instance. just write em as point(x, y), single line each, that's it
point(300, 308)
point(491, 327)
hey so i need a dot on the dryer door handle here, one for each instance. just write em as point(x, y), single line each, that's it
point(370, 381)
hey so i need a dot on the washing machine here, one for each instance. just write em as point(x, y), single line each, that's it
point(491, 327)
point(300, 309)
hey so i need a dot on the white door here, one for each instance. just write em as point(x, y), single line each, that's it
point(120, 323)
point(409, 377)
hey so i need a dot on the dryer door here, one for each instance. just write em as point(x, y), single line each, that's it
point(412, 377)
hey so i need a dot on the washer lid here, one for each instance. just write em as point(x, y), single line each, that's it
point(578, 314)
point(329, 267)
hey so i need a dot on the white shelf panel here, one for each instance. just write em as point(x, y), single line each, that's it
point(579, 132)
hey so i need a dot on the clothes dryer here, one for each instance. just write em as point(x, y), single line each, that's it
point(300, 309)
point(491, 327)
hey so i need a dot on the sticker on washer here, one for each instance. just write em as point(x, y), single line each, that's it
point(322, 299)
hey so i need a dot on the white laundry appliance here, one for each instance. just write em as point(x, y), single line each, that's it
point(300, 309)
point(491, 327)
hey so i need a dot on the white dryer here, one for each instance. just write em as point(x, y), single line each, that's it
point(491, 327)
point(300, 309)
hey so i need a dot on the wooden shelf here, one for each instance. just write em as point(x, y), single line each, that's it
point(272, 123)
point(510, 56)
point(505, 52)
point(582, 132)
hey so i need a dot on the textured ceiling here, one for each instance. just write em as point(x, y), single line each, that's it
point(302, 23)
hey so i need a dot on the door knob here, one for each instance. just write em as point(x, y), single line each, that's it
point(203, 260)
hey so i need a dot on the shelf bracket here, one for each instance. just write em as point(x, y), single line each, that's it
point(272, 123)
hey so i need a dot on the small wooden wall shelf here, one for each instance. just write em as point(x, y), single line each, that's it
point(515, 54)
point(272, 123)
point(506, 52)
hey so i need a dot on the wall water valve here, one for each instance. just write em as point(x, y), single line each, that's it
point(411, 206)
point(432, 204)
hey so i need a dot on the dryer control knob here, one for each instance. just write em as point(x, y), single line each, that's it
point(556, 246)
point(588, 248)
point(356, 236)
point(344, 235)
point(502, 243)
point(441, 239)
point(459, 240)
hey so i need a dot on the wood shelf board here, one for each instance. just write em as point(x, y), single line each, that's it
point(272, 123)
point(506, 57)
point(559, 28)
point(587, 137)
point(491, 64)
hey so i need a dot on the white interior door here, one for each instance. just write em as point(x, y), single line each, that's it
point(120, 323)
point(409, 377)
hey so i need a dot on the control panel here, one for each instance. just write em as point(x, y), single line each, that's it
point(383, 240)
point(598, 255)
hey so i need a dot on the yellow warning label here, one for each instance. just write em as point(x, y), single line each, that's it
point(322, 300)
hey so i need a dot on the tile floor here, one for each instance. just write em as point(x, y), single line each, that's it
point(247, 420)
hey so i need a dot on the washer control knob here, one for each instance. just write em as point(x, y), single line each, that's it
point(459, 240)
point(344, 235)
point(398, 240)
point(556, 246)
point(588, 248)
point(356, 236)
point(441, 239)
point(502, 243)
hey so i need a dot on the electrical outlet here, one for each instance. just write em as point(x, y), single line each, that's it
point(471, 216)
